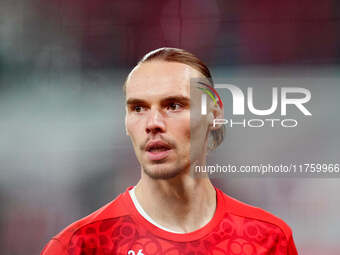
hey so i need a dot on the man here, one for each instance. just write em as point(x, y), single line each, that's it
point(170, 210)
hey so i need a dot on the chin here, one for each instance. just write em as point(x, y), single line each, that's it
point(162, 172)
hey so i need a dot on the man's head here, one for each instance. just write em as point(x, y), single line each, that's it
point(158, 104)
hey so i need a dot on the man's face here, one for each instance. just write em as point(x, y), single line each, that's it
point(158, 118)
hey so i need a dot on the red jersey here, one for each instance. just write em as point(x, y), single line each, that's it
point(119, 229)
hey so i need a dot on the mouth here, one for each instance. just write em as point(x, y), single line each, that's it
point(157, 150)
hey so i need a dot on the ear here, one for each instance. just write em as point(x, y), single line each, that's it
point(216, 112)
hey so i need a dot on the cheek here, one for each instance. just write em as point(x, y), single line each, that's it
point(181, 129)
point(199, 126)
point(133, 127)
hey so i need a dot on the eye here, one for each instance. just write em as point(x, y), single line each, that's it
point(174, 106)
point(137, 108)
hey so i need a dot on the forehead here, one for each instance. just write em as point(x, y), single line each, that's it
point(160, 78)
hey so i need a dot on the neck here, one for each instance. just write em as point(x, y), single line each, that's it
point(181, 204)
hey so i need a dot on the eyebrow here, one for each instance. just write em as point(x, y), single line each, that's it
point(183, 99)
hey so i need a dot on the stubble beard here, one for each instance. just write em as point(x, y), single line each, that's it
point(160, 172)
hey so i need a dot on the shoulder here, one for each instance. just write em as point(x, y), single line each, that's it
point(241, 209)
point(111, 211)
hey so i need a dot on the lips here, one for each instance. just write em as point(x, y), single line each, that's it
point(157, 150)
point(157, 146)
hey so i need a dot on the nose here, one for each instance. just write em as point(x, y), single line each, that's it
point(155, 122)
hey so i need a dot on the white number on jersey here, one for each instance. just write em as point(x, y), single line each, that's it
point(131, 252)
